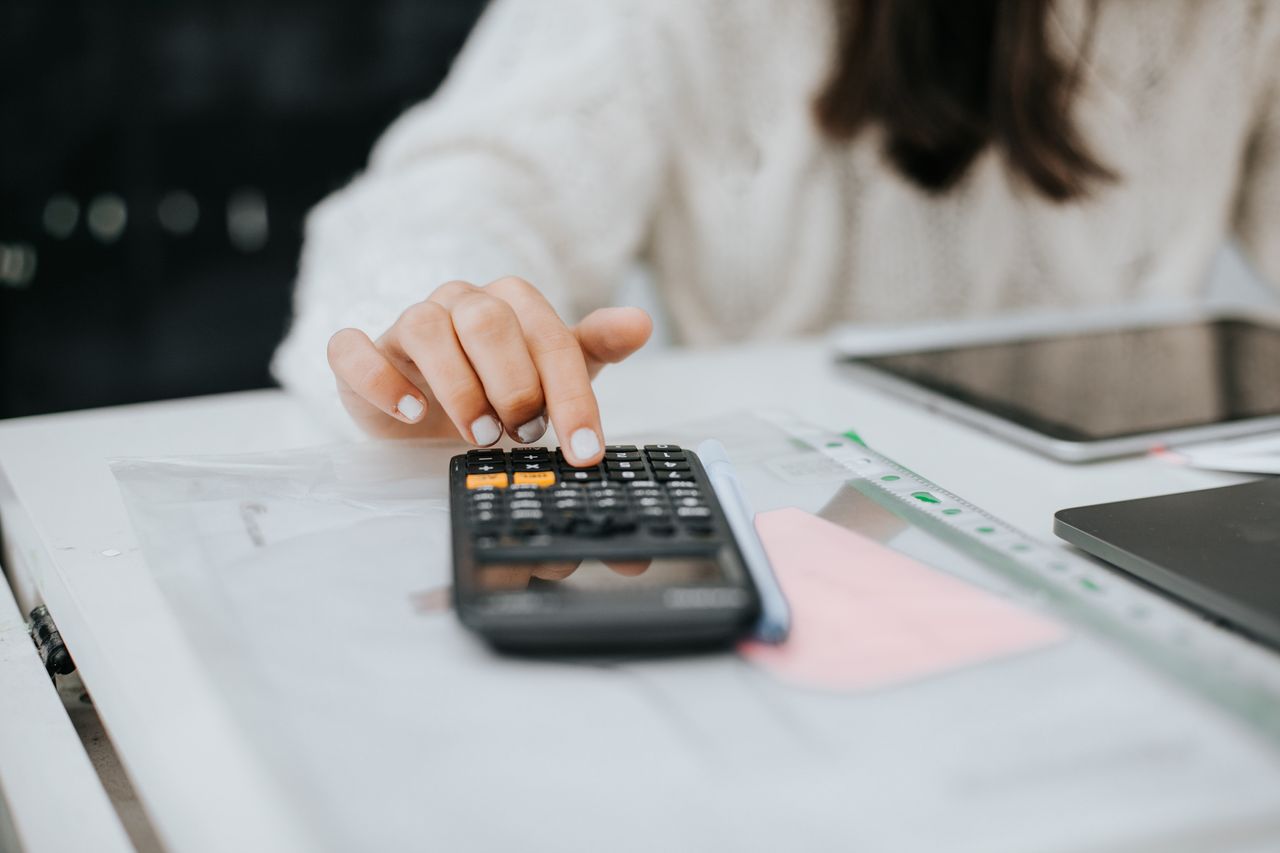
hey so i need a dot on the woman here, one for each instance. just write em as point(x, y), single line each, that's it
point(782, 165)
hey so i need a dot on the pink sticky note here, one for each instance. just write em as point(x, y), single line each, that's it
point(864, 616)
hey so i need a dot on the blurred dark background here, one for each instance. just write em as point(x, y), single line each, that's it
point(156, 163)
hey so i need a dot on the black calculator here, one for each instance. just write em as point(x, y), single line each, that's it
point(633, 552)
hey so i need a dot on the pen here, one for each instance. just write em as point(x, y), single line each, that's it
point(775, 615)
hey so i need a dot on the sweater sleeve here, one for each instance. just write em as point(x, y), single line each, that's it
point(540, 156)
point(1257, 219)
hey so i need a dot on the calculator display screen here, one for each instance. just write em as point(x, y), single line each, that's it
point(596, 576)
point(1113, 383)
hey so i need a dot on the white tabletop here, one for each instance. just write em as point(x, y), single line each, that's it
point(69, 531)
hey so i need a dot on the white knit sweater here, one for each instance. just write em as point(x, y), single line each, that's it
point(576, 137)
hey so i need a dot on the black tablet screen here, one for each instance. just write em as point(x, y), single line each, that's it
point(1110, 384)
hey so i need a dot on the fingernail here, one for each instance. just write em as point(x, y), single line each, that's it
point(585, 444)
point(411, 407)
point(485, 430)
point(533, 430)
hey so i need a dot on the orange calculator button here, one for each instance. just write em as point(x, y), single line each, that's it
point(535, 478)
point(479, 481)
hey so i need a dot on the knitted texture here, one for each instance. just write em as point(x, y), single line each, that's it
point(575, 138)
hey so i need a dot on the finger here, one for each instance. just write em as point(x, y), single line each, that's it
point(450, 292)
point(494, 342)
point(557, 356)
point(369, 382)
point(554, 571)
point(424, 336)
point(503, 576)
point(608, 335)
point(628, 568)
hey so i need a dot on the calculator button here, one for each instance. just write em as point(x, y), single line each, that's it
point(624, 465)
point(484, 453)
point(485, 467)
point(626, 475)
point(531, 453)
point(671, 455)
point(668, 476)
point(531, 465)
point(477, 481)
point(692, 512)
point(690, 502)
point(526, 529)
point(579, 476)
point(669, 465)
point(542, 479)
point(620, 448)
point(526, 503)
point(526, 514)
point(671, 447)
point(563, 523)
point(621, 455)
point(620, 524)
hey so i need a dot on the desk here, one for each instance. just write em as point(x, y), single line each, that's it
point(64, 522)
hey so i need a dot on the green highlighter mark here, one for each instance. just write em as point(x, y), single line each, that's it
point(951, 511)
point(986, 530)
point(889, 478)
point(1090, 585)
point(925, 497)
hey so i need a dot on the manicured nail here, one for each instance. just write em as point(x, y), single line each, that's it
point(485, 430)
point(411, 408)
point(533, 430)
point(585, 444)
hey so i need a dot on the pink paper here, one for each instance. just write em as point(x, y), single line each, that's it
point(864, 616)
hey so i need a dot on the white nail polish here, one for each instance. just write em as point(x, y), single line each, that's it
point(533, 430)
point(584, 443)
point(411, 407)
point(485, 430)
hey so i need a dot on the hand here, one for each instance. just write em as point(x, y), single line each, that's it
point(475, 361)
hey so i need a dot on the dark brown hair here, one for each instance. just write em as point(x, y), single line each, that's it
point(946, 78)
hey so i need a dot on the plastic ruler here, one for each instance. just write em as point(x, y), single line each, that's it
point(1227, 668)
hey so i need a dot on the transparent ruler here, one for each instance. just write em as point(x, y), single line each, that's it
point(1225, 667)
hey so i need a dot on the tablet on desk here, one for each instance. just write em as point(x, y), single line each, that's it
point(1095, 391)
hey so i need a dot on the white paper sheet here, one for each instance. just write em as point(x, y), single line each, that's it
point(312, 585)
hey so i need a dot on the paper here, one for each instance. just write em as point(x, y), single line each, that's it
point(1249, 455)
point(865, 616)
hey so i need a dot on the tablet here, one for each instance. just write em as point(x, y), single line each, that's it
point(1093, 393)
point(1217, 550)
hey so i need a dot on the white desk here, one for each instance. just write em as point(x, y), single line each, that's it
point(62, 516)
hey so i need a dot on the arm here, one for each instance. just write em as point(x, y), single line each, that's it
point(540, 157)
point(1257, 217)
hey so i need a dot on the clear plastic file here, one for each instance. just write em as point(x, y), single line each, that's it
point(1227, 669)
point(313, 583)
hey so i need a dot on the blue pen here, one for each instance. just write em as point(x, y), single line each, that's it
point(775, 615)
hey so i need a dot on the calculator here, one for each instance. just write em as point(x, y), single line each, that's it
point(634, 552)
